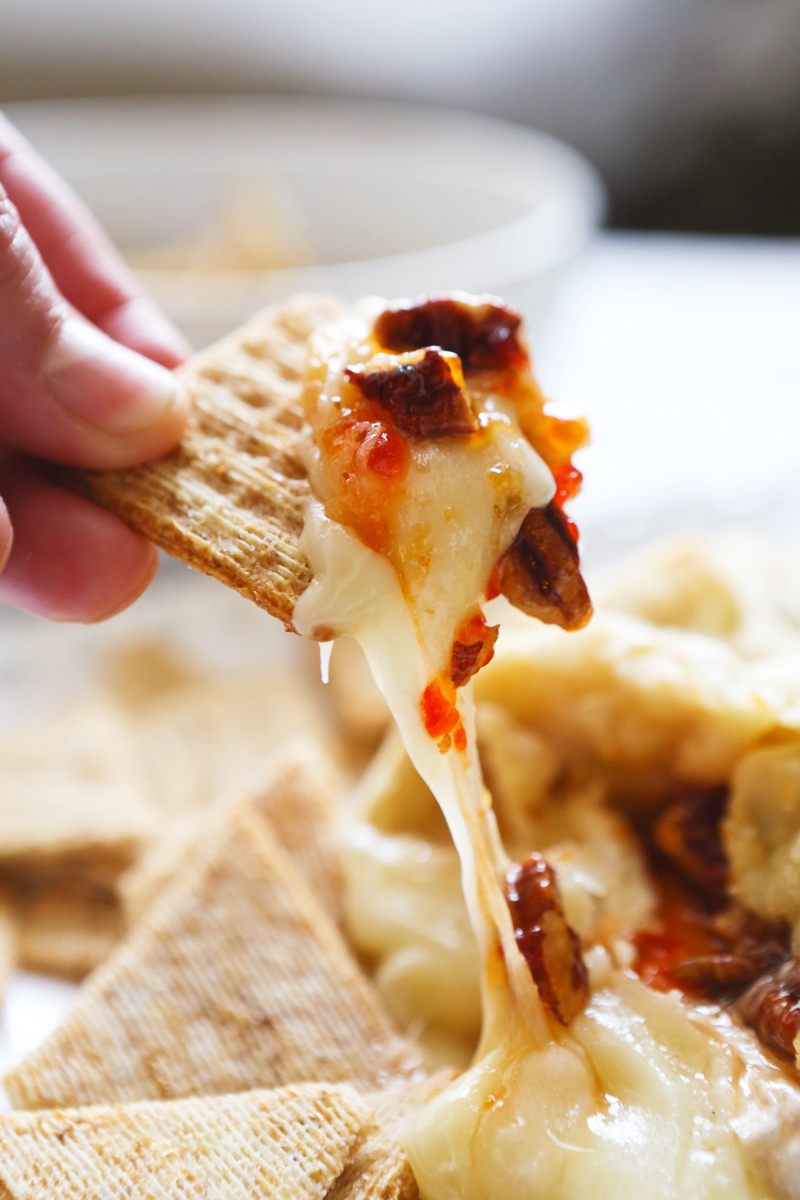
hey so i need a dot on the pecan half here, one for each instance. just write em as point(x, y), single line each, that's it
point(473, 648)
point(423, 398)
point(688, 832)
point(759, 946)
point(548, 944)
point(482, 335)
point(540, 572)
point(772, 1007)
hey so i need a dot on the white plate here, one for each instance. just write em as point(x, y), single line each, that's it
point(397, 198)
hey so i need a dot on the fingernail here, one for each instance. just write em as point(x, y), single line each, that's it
point(104, 383)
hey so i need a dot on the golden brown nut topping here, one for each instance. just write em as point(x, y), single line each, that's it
point(483, 336)
point(423, 398)
point(540, 572)
point(772, 1007)
point(548, 944)
point(688, 832)
point(722, 974)
point(472, 649)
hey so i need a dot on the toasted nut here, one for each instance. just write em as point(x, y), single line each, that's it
point(549, 945)
point(423, 398)
point(772, 1007)
point(688, 832)
point(540, 572)
point(484, 336)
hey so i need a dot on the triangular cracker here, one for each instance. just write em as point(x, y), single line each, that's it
point(235, 979)
point(72, 798)
point(299, 800)
point(289, 1144)
point(210, 739)
point(229, 500)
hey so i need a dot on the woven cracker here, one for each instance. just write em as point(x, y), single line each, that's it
point(66, 931)
point(212, 739)
point(289, 1144)
point(229, 500)
point(298, 799)
point(380, 1169)
point(72, 796)
point(234, 979)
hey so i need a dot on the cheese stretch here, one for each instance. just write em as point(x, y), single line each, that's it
point(640, 1094)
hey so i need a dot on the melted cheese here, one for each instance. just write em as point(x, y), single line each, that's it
point(635, 1098)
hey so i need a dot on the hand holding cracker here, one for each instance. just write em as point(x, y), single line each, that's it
point(82, 381)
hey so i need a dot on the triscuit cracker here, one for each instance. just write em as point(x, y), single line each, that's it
point(298, 799)
point(229, 499)
point(142, 672)
point(72, 797)
point(214, 738)
point(234, 979)
point(67, 930)
point(380, 1169)
point(288, 1144)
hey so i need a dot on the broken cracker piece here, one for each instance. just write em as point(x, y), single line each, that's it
point(229, 499)
point(288, 1144)
point(235, 979)
point(299, 800)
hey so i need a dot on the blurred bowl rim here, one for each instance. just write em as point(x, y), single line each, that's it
point(99, 134)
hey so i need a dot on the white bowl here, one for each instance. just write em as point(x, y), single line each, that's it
point(398, 198)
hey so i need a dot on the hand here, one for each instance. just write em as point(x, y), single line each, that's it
point(81, 384)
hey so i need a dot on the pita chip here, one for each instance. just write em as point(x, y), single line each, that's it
point(234, 979)
point(229, 499)
point(289, 1144)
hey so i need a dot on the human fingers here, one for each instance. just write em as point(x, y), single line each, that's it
point(86, 268)
point(69, 392)
point(67, 560)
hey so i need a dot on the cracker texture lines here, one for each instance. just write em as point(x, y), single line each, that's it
point(234, 979)
point(290, 1144)
point(229, 499)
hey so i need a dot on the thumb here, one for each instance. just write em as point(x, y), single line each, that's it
point(67, 391)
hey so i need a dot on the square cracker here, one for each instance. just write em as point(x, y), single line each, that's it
point(235, 979)
point(229, 499)
point(289, 1144)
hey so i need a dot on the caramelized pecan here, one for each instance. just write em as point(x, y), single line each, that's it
point(540, 572)
point(472, 649)
point(772, 1007)
point(548, 944)
point(757, 946)
point(688, 833)
point(423, 398)
point(482, 335)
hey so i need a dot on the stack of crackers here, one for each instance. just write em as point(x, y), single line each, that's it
point(169, 836)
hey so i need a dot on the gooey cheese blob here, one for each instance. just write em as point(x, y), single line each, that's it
point(642, 1095)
